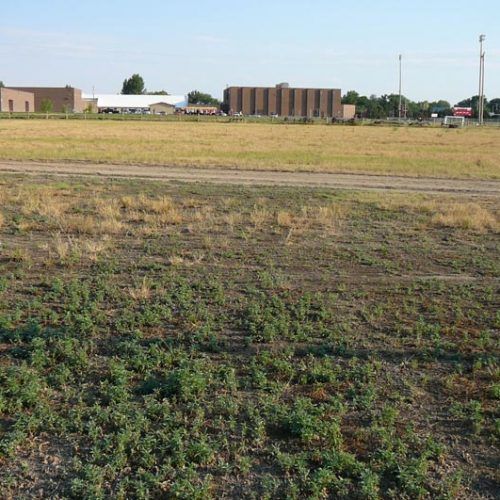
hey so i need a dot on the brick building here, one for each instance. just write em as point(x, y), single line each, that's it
point(283, 100)
point(64, 99)
point(16, 101)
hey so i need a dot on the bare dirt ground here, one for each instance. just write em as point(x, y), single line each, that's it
point(367, 182)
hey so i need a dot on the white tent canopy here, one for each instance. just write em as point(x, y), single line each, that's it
point(126, 101)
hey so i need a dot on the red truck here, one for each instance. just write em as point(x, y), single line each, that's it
point(466, 112)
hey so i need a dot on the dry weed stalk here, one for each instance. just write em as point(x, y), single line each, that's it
point(109, 226)
point(62, 247)
point(175, 260)
point(93, 249)
point(143, 291)
point(232, 219)
point(109, 209)
point(259, 216)
point(331, 216)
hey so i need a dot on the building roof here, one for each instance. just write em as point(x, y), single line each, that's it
point(135, 101)
point(161, 103)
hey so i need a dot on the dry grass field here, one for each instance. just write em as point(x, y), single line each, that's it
point(200, 341)
point(467, 153)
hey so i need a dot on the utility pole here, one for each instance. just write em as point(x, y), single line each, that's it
point(400, 86)
point(480, 102)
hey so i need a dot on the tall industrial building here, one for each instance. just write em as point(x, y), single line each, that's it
point(283, 100)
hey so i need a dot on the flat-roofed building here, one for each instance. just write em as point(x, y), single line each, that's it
point(16, 101)
point(283, 100)
point(64, 99)
point(125, 103)
point(162, 108)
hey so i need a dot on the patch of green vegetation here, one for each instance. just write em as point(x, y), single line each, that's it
point(318, 366)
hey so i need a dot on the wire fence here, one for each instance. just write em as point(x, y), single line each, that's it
point(432, 122)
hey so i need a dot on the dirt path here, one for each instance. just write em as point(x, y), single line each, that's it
point(258, 177)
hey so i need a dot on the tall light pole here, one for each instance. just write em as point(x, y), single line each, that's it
point(480, 102)
point(400, 86)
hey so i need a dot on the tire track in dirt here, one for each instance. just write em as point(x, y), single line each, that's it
point(366, 182)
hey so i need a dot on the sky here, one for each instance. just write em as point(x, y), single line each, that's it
point(179, 46)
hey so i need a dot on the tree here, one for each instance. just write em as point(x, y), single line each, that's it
point(159, 92)
point(441, 107)
point(362, 106)
point(134, 85)
point(351, 97)
point(494, 106)
point(1, 84)
point(197, 97)
point(66, 109)
point(46, 106)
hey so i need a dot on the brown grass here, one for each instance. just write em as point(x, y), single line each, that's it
point(175, 260)
point(109, 226)
point(64, 247)
point(470, 216)
point(443, 211)
point(156, 212)
point(468, 153)
point(232, 219)
point(284, 218)
point(79, 224)
point(143, 291)
point(43, 202)
point(259, 216)
point(108, 209)
point(65, 212)
point(331, 215)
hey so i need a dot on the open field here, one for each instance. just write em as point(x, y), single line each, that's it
point(195, 341)
point(466, 153)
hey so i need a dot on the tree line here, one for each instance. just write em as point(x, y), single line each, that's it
point(387, 105)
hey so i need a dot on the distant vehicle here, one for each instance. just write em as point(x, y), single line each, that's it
point(237, 113)
point(461, 111)
point(109, 111)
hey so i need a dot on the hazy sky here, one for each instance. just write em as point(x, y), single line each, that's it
point(184, 45)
